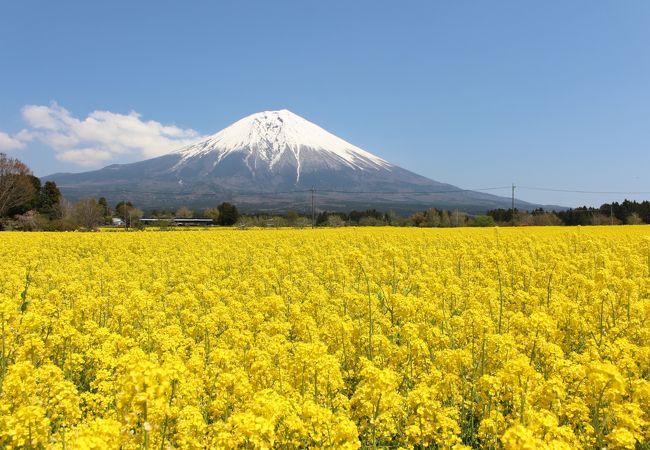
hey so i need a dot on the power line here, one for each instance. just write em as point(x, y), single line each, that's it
point(336, 191)
point(513, 203)
point(573, 191)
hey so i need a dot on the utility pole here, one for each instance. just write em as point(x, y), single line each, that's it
point(513, 204)
point(313, 217)
point(126, 227)
point(611, 214)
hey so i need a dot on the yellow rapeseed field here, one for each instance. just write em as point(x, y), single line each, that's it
point(328, 338)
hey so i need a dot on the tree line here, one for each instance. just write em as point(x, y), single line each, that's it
point(628, 212)
point(27, 204)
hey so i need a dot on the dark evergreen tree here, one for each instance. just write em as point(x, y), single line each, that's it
point(355, 216)
point(228, 214)
point(578, 216)
point(501, 215)
point(106, 211)
point(321, 218)
point(50, 200)
point(128, 213)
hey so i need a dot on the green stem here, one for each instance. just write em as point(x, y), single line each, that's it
point(370, 322)
point(500, 299)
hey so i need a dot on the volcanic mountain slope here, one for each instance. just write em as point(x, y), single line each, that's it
point(260, 161)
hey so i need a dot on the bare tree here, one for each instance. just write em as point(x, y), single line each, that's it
point(15, 186)
point(212, 213)
point(633, 219)
point(292, 218)
point(89, 213)
point(184, 213)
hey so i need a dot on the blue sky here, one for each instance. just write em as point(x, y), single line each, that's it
point(477, 94)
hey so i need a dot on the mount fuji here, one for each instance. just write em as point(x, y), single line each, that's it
point(271, 161)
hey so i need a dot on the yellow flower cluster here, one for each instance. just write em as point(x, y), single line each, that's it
point(330, 338)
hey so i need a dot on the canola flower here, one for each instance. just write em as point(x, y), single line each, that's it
point(330, 338)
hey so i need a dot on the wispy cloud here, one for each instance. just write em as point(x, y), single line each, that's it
point(99, 138)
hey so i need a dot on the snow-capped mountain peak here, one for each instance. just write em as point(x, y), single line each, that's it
point(282, 138)
point(269, 161)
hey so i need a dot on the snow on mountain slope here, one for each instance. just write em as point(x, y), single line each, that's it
point(280, 138)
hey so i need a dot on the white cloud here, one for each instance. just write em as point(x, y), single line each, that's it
point(51, 117)
point(8, 143)
point(85, 157)
point(100, 137)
